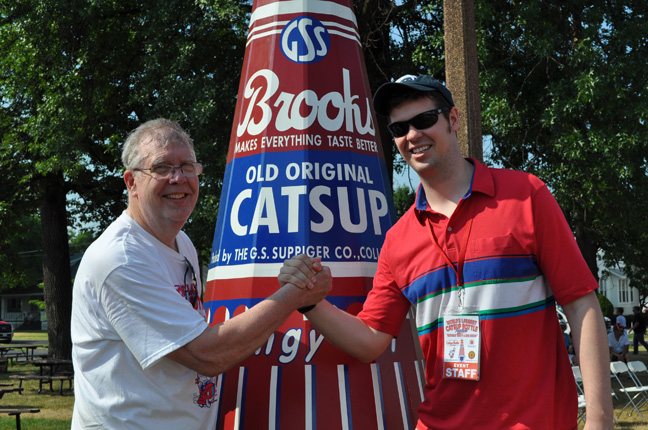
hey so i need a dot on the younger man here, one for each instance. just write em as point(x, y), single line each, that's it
point(488, 245)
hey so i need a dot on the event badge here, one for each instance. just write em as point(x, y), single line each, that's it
point(461, 346)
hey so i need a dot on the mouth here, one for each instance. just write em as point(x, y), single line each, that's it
point(421, 149)
point(176, 196)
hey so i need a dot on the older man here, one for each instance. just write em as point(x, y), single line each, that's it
point(144, 356)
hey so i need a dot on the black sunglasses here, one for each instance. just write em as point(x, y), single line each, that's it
point(191, 297)
point(420, 122)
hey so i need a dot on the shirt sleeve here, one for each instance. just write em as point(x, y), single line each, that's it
point(559, 256)
point(386, 306)
point(148, 314)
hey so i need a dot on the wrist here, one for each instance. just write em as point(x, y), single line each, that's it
point(305, 309)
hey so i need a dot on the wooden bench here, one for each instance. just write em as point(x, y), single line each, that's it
point(19, 357)
point(16, 411)
point(6, 390)
point(13, 357)
point(62, 377)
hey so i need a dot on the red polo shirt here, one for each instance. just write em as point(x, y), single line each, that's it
point(520, 258)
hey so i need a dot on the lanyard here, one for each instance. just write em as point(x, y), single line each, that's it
point(462, 254)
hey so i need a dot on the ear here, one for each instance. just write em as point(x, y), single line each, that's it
point(129, 179)
point(454, 119)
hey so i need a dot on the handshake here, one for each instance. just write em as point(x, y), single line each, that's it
point(308, 275)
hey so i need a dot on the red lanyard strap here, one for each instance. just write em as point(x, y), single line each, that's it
point(462, 250)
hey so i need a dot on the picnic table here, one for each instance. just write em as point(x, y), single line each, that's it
point(17, 351)
point(50, 370)
point(4, 390)
point(14, 410)
point(52, 365)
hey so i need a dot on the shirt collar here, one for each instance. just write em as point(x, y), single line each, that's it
point(481, 182)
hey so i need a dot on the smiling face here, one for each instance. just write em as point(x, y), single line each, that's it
point(162, 206)
point(429, 149)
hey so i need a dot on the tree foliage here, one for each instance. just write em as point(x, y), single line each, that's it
point(75, 77)
point(20, 252)
point(403, 199)
point(606, 306)
point(562, 86)
point(564, 97)
point(396, 41)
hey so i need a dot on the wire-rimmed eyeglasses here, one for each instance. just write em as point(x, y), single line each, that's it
point(166, 171)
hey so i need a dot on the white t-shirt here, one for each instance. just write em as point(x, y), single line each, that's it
point(127, 315)
point(618, 345)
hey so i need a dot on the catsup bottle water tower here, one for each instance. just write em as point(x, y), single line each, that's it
point(306, 174)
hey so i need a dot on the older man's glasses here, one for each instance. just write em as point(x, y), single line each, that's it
point(420, 122)
point(166, 171)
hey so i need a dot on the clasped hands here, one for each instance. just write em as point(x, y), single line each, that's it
point(309, 275)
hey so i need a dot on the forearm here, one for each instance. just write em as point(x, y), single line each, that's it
point(588, 330)
point(348, 332)
point(223, 346)
point(227, 344)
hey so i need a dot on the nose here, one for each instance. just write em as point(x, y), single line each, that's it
point(409, 134)
point(177, 175)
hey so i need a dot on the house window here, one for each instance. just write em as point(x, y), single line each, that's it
point(625, 292)
point(603, 287)
point(14, 305)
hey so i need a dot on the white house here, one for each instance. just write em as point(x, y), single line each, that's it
point(15, 306)
point(614, 285)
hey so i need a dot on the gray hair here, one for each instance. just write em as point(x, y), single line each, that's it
point(162, 131)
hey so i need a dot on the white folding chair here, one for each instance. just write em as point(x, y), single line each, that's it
point(620, 368)
point(581, 396)
point(636, 368)
point(581, 407)
point(578, 378)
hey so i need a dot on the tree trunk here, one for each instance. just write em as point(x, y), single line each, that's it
point(587, 248)
point(56, 266)
point(374, 34)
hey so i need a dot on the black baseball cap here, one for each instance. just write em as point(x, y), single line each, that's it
point(422, 83)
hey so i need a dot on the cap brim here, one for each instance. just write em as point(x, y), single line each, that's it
point(382, 97)
point(387, 90)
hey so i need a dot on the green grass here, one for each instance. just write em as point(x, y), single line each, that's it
point(28, 422)
point(55, 410)
point(40, 336)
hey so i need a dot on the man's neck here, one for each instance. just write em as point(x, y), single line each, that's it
point(444, 190)
point(167, 237)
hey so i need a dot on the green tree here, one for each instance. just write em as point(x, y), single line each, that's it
point(399, 38)
point(606, 306)
point(20, 252)
point(75, 77)
point(563, 96)
point(403, 199)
